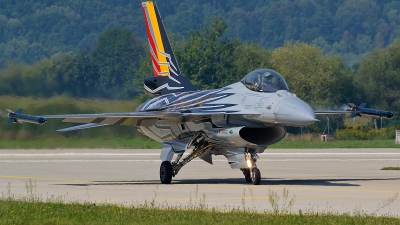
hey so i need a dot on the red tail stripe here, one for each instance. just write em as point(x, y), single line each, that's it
point(151, 42)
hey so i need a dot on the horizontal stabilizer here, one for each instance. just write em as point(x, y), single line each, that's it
point(9, 121)
point(81, 127)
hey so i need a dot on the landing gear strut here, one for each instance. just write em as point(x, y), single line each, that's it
point(169, 170)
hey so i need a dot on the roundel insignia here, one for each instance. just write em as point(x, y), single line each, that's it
point(231, 131)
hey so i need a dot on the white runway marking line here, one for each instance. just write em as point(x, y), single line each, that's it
point(196, 160)
point(78, 154)
point(157, 154)
point(294, 154)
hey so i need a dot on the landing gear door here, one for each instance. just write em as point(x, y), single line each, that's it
point(236, 158)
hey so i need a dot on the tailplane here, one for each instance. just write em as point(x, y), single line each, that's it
point(167, 75)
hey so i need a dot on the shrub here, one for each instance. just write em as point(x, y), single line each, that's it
point(358, 132)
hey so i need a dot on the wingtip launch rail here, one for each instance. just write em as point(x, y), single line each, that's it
point(360, 111)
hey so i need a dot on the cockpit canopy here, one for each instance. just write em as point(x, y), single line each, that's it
point(264, 80)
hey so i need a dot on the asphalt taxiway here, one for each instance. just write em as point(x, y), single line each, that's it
point(330, 180)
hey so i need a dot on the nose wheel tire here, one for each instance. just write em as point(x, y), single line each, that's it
point(255, 176)
point(166, 172)
point(247, 175)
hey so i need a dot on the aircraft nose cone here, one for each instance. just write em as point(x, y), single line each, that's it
point(295, 112)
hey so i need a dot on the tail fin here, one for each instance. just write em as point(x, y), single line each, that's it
point(167, 75)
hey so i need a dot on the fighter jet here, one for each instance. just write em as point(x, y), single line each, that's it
point(238, 121)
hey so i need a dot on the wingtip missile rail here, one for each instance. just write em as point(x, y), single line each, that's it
point(361, 110)
point(14, 117)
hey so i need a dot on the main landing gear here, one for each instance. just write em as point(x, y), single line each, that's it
point(252, 173)
point(169, 170)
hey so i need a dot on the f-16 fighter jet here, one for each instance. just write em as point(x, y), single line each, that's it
point(238, 121)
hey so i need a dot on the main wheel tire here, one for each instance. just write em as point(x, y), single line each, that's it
point(256, 176)
point(166, 172)
point(247, 176)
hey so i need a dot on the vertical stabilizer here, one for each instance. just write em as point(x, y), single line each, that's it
point(167, 75)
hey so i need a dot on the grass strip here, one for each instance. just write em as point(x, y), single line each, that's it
point(35, 212)
point(75, 142)
point(144, 143)
point(390, 168)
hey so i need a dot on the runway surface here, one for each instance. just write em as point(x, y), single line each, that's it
point(334, 180)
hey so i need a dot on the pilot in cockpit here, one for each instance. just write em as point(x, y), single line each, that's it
point(265, 81)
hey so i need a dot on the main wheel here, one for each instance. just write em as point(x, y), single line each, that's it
point(166, 172)
point(256, 176)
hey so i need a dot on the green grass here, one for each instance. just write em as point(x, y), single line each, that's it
point(33, 209)
point(101, 105)
point(52, 142)
point(36, 212)
point(75, 142)
point(390, 168)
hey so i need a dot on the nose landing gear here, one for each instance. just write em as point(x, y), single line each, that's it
point(252, 173)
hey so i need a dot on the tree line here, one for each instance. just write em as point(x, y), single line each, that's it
point(36, 29)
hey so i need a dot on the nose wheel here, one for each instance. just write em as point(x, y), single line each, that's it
point(247, 175)
point(255, 176)
point(252, 173)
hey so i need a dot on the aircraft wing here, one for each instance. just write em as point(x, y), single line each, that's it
point(128, 118)
point(103, 119)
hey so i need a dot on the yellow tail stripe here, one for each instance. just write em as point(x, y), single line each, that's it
point(157, 35)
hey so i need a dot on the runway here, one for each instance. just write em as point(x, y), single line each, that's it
point(319, 180)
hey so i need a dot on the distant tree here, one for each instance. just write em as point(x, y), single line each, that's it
point(378, 78)
point(64, 26)
point(75, 74)
point(322, 81)
point(115, 59)
point(207, 57)
point(249, 56)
